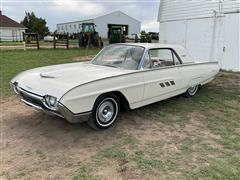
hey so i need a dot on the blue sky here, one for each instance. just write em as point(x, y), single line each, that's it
point(57, 11)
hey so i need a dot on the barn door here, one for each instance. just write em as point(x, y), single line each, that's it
point(231, 58)
point(199, 38)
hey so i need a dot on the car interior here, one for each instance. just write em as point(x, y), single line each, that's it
point(157, 58)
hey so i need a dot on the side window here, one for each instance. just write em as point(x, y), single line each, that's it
point(161, 57)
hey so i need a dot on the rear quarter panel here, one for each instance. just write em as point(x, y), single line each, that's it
point(198, 73)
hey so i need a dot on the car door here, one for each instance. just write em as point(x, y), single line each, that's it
point(162, 78)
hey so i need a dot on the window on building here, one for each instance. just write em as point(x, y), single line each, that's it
point(66, 27)
point(74, 26)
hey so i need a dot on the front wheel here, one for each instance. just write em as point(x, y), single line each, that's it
point(191, 91)
point(105, 112)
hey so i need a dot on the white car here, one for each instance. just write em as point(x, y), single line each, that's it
point(49, 38)
point(122, 75)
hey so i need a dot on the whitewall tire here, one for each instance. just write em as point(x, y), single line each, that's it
point(191, 91)
point(105, 112)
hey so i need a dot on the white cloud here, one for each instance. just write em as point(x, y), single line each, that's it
point(79, 7)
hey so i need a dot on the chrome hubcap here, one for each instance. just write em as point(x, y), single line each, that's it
point(192, 90)
point(106, 111)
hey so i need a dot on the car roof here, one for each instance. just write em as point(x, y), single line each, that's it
point(180, 50)
point(155, 45)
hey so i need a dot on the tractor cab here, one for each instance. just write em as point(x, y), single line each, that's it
point(88, 37)
point(88, 27)
point(117, 35)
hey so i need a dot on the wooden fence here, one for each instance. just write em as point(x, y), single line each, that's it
point(31, 40)
point(60, 40)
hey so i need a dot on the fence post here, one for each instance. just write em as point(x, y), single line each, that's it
point(67, 41)
point(23, 36)
point(24, 45)
point(37, 38)
point(54, 40)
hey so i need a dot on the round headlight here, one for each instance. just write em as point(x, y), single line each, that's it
point(50, 102)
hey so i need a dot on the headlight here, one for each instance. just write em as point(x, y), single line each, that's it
point(50, 102)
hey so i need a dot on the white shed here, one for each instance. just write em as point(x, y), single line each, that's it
point(10, 30)
point(209, 29)
point(103, 24)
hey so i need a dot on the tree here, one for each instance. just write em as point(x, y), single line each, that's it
point(35, 24)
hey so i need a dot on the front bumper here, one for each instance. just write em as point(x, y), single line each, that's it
point(37, 102)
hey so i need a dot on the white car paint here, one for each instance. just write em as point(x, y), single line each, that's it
point(49, 38)
point(77, 85)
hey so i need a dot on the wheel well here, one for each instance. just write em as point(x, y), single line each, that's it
point(122, 99)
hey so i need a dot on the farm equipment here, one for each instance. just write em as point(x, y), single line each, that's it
point(117, 35)
point(88, 37)
point(144, 37)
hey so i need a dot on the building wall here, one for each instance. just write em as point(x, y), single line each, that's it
point(71, 27)
point(185, 9)
point(102, 22)
point(208, 36)
point(11, 34)
point(231, 58)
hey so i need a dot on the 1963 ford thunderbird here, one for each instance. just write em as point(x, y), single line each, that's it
point(121, 75)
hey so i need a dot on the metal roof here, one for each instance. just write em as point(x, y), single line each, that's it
point(89, 18)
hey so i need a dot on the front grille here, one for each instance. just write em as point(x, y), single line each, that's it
point(31, 99)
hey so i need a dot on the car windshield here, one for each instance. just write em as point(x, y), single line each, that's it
point(120, 56)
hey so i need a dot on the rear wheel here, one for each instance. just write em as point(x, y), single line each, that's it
point(191, 91)
point(105, 112)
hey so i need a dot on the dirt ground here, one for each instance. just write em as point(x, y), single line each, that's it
point(39, 146)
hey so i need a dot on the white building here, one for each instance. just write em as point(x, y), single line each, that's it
point(10, 30)
point(103, 24)
point(209, 29)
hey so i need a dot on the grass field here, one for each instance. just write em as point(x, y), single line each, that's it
point(42, 43)
point(13, 62)
point(179, 138)
point(10, 43)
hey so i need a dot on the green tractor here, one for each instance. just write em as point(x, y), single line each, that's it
point(88, 37)
point(117, 35)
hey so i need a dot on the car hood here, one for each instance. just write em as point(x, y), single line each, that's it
point(57, 80)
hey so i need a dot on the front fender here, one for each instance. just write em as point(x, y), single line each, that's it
point(81, 98)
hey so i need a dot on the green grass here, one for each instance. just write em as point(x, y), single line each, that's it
point(83, 173)
point(13, 62)
point(10, 43)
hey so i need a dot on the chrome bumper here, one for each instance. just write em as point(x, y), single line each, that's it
point(37, 102)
